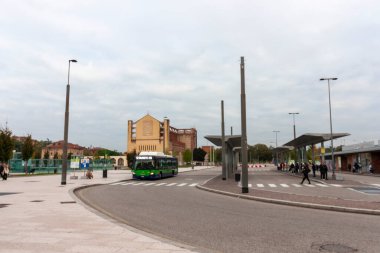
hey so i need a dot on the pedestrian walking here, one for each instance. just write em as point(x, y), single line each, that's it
point(323, 170)
point(305, 172)
point(314, 168)
point(291, 168)
point(370, 168)
point(4, 171)
point(297, 167)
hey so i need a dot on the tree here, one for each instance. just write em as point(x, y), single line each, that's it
point(6, 144)
point(259, 152)
point(106, 152)
point(131, 157)
point(218, 155)
point(27, 151)
point(46, 158)
point(55, 158)
point(187, 156)
point(199, 154)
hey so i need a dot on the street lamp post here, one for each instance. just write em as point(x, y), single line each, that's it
point(294, 130)
point(276, 131)
point(66, 128)
point(331, 131)
point(294, 122)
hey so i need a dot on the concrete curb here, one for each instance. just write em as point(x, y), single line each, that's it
point(292, 203)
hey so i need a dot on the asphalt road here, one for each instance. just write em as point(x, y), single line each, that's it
point(217, 223)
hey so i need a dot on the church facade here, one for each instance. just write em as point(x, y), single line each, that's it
point(150, 134)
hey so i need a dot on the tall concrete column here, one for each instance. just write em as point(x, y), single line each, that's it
point(224, 172)
point(244, 144)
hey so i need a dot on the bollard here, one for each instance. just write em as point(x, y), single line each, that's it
point(104, 173)
point(237, 177)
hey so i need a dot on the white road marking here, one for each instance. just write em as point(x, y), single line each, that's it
point(296, 185)
point(285, 185)
point(183, 184)
point(171, 184)
point(160, 184)
point(310, 185)
point(322, 185)
point(378, 185)
point(128, 183)
point(192, 185)
point(260, 185)
point(139, 183)
point(150, 184)
point(272, 185)
point(117, 183)
point(336, 185)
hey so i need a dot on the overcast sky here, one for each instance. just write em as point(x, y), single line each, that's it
point(181, 58)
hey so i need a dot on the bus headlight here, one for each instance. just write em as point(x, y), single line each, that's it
point(151, 173)
point(133, 173)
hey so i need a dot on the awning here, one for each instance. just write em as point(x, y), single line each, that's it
point(313, 138)
point(233, 141)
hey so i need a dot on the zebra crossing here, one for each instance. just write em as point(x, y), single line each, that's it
point(259, 185)
point(134, 183)
point(281, 185)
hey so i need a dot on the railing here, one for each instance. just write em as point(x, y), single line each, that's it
point(53, 165)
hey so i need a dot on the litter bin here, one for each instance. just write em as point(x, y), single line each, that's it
point(104, 173)
point(237, 177)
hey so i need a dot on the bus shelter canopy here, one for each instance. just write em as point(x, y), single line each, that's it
point(233, 141)
point(313, 138)
point(282, 149)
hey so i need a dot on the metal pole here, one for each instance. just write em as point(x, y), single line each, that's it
point(244, 169)
point(223, 146)
point(331, 136)
point(331, 131)
point(275, 131)
point(66, 129)
point(294, 131)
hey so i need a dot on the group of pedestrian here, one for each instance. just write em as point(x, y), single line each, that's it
point(323, 169)
point(304, 168)
point(4, 171)
point(294, 168)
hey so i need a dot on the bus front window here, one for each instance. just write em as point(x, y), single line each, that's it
point(144, 165)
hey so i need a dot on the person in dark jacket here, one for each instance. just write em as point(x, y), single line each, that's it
point(313, 168)
point(305, 171)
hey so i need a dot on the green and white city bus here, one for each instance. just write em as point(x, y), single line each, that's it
point(154, 165)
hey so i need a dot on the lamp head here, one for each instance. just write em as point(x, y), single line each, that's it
point(73, 60)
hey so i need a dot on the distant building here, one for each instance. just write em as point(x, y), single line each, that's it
point(150, 134)
point(57, 147)
point(22, 139)
point(210, 153)
point(365, 154)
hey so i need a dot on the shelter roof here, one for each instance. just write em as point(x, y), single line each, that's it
point(282, 149)
point(233, 141)
point(313, 138)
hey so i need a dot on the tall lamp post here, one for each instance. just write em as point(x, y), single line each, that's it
point(294, 130)
point(294, 122)
point(276, 131)
point(331, 131)
point(66, 128)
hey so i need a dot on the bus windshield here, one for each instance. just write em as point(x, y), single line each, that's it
point(144, 165)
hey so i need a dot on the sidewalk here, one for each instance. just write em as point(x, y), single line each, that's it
point(40, 215)
point(345, 199)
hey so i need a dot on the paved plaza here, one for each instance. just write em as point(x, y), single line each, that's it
point(41, 215)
